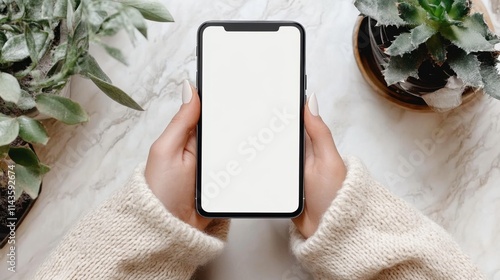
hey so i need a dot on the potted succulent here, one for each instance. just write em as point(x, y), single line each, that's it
point(427, 54)
point(42, 45)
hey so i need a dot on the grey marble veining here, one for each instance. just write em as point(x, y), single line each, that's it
point(453, 178)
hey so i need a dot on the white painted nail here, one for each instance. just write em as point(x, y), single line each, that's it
point(313, 104)
point(187, 92)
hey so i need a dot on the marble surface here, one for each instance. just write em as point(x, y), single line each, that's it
point(446, 165)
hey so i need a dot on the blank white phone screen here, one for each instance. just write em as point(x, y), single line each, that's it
point(251, 102)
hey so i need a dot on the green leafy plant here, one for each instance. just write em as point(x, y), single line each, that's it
point(42, 44)
point(444, 32)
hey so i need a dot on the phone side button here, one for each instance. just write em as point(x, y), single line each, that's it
point(305, 82)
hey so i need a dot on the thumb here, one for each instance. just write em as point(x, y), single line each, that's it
point(320, 134)
point(177, 133)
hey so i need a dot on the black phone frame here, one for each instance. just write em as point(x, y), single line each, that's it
point(264, 26)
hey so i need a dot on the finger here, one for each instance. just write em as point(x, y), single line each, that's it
point(321, 137)
point(175, 137)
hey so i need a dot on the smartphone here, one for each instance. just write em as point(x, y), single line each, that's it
point(251, 81)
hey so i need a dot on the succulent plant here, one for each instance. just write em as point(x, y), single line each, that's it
point(42, 44)
point(441, 31)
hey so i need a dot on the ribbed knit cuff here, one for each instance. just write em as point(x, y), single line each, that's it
point(330, 252)
point(348, 205)
point(197, 247)
point(133, 236)
point(367, 232)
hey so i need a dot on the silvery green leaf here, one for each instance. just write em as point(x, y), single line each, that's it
point(401, 45)
point(60, 108)
point(44, 168)
point(137, 20)
point(117, 22)
point(402, 67)
point(115, 93)
point(27, 180)
point(60, 8)
point(477, 23)
point(24, 156)
point(30, 42)
point(80, 10)
point(26, 101)
point(112, 25)
point(9, 88)
point(70, 18)
point(421, 34)
point(155, 11)
point(407, 42)
point(59, 52)
point(468, 39)
point(32, 131)
point(88, 65)
point(115, 53)
point(491, 80)
point(459, 9)
point(47, 11)
point(3, 18)
point(9, 129)
point(97, 12)
point(437, 49)
point(385, 12)
point(10, 29)
point(412, 14)
point(80, 38)
point(467, 66)
point(3, 39)
point(34, 10)
point(95, 18)
point(16, 49)
point(56, 68)
point(19, 14)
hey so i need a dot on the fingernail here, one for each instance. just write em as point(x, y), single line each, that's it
point(313, 105)
point(187, 92)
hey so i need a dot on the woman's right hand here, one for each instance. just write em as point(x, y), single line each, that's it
point(171, 166)
point(324, 170)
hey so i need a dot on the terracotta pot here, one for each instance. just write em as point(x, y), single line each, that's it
point(369, 56)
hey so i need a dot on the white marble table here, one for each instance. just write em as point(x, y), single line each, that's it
point(454, 179)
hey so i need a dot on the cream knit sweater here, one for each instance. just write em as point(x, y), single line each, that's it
point(367, 233)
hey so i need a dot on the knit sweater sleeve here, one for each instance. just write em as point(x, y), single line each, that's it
point(367, 233)
point(133, 236)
